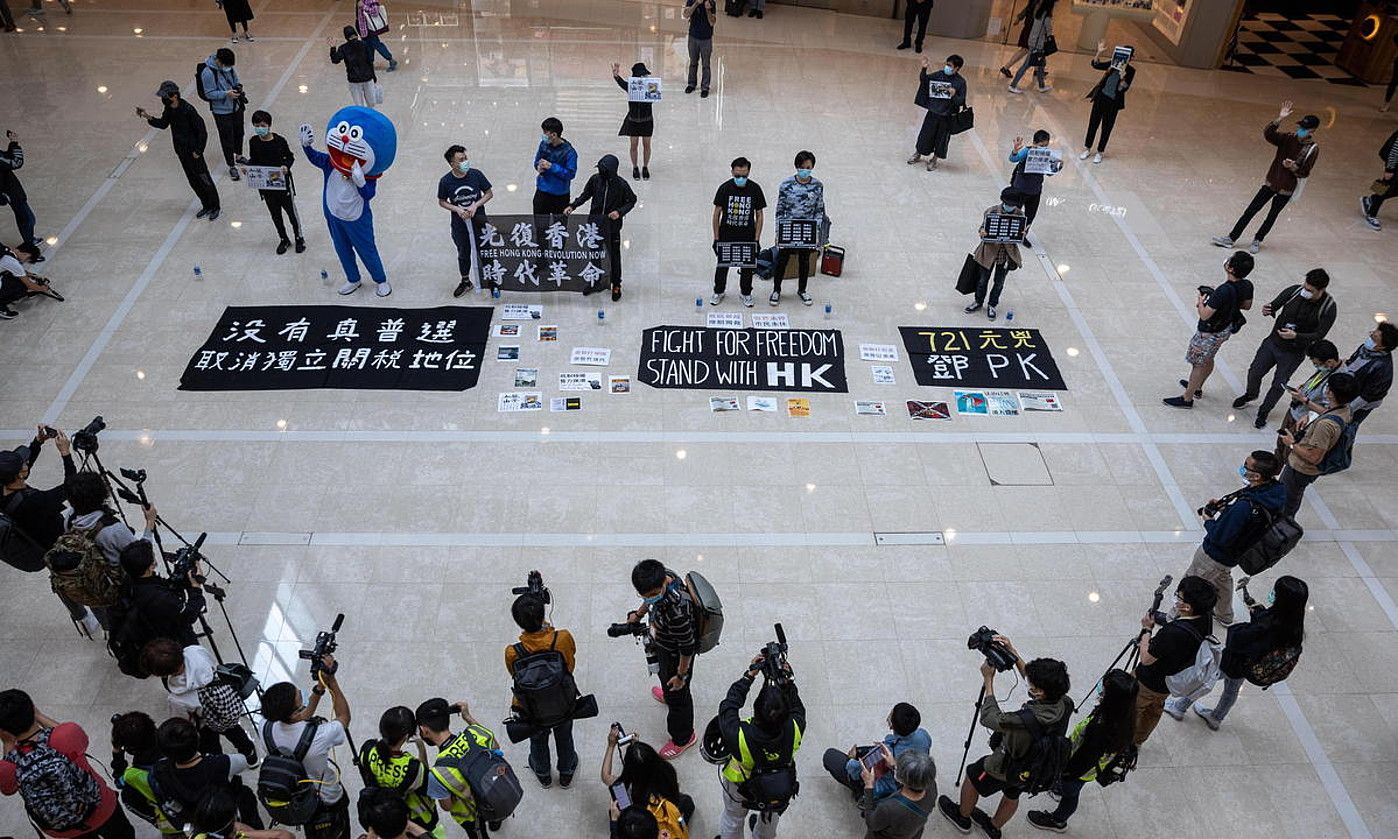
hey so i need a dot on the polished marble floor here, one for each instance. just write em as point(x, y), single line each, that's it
point(415, 512)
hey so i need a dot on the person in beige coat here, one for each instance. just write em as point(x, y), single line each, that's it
point(998, 258)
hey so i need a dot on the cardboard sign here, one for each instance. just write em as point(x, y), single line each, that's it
point(544, 253)
point(979, 358)
point(265, 177)
point(1004, 227)
point(793, 360)
point(643, 88)
point(1043, 161)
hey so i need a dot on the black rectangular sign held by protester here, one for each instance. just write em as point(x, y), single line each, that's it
point(544, 253)
point(955, 356)
point(367, 348)
point(794, 360)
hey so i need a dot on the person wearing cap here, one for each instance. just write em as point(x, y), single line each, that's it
point(1294, 159)
point(611, 198)
point(16, 283)
point(447, 784)
point(358, 58)
point(999, 258)
point(639, 124)
point(189, 136)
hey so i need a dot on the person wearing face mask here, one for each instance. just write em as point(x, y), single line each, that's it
point(998, 258)
point(556, 161)
point(221, 86)
point(1171, 650)
point(799, 196)
point(1108, 98)
point(1029, 185)
point(942, 100)
point(189, 136)
point(358, 58)
point(738, 206)
point(1307, 453)
point(288, 716)
point(1040, 28)
point(1310, 394)
point(666, 601)
point(1294, 159)
point(1220, 311)
point(610, 198)
point(270, 149)
point(1304, 314)
point(464, 191)
point(1371, 364)
point(1233, 523)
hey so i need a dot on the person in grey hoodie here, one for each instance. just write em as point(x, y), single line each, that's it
point(225, 94)
point(611, 198)
point(87, 496)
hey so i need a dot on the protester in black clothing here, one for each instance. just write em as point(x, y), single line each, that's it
point(1171, 650)
point(1108, 99)
point(762, 744)
point(184, 773)
point(919, 11)
point(270, 149)
point(1220, 309)
point(1304, 314)
point(464, 192)
point(167, 609)
point(358, 58)
point(738, 206)
point(135, 752)
point(189, 136)
point(1371, 364)
point(943, 94)
point(12, 193)
point(1029, 185)
point(1369, 205)
point(639, 124)
point(1392, 80)
point(611, 198)
point(675, 632)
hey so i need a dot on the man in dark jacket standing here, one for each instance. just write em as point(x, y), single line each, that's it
point(943, 94)
point(1371, 364)
point(919, 11)
point(12, 193)
point(612, 199)
point(1304, 314)
point(189, 136)
point(1294, 159)
point(358, 58)
point(168, 608)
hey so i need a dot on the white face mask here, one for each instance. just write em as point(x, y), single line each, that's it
point(1305, 294)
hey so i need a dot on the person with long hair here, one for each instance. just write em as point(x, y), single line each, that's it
point(639, 124)
point(1038, 28)
point(385, 764)
point(1026, 20)
point(1097, 740)
point(1280, 626)
point(647, 777)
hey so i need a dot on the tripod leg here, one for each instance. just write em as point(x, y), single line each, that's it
point(1131, 652)
point(970, 733)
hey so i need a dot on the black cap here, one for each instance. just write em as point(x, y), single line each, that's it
point(350, 33)
point(12, 463)
point(167, 88)
point(639, 69)
point(1310, 122)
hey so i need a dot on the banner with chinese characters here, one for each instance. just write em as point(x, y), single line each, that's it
point(795, 360)
point(953, 356)
point(364, 348)
point(544, 253)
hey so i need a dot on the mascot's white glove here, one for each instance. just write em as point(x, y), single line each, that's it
point(357, 175)
point(308, 135)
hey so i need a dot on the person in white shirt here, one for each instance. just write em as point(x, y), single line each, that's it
point(287, 714)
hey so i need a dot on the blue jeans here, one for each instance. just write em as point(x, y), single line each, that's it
point(379, 46)
point(1227, 698)
point(539, 750)
point(1040, 65)
point(1069, 789)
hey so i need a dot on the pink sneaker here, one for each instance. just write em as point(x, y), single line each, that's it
point(670, 751)
point(659, 694)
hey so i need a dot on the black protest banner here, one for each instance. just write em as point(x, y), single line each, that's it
point(795, 360)
point(1000, 358)
point(302, 347)
point(544, 253)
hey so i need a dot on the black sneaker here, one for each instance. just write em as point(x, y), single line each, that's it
point(982, 820)
point(904, 46)
point(952, 812)
point(645, 173)
point(635, 173)
point(703, 94)
point(282, 247)
point(1244, 399)
point(689, 88)
point(565, 780)
point(214, 214)
point(461, 287)
point(545, 781)
point(1260, 422)
point(300, 245)
point(251, 758)
point(1178, 402)
point(974, 307)
point(202, 213)
point(1044, 820)
point(494, 826)
point(6, 313)
point(1197, 394)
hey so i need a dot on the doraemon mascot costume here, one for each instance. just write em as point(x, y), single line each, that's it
point(361, 144)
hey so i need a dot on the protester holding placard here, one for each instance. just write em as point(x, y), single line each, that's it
point(464, 191)
point(639, 123)
point(611, 198)
point(1025, 181)
point(943, 94)
point(800, 196)
point(738, 206)
point(1108, 97)
point(269, 149)
point(556, 161)
point(997, 257)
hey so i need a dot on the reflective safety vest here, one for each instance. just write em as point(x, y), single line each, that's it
point(405, 775)
point(445, 768)
point(138, 778)
point(739, 767)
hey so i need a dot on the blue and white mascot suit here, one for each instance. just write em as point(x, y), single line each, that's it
point(360, 146)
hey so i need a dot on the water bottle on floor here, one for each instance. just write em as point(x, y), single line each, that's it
point(198, 273)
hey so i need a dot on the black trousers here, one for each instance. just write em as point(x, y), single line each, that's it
point(614, 248)
point(803, 267)
point(1265, 194)
point(1031, 207)
point(12, 290)
point(465, 248)
point(236, 736)
point(230, 135)
point(546, 203)
point(196, 171)
point(1376, 201)
point(1000, 270)
point(1270, 353)
point(679, 704)
point(916, 12)
point(721, 280)
point(115, 827)
point(279, 202)
point(1104, 113)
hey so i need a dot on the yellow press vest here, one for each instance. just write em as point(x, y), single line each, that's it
point(740, 766)
point(463, 805)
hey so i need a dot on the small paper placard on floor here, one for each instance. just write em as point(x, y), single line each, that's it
point(867, 408)
point(1038, 400)
point(763, 404)
point(579, 381)
point(723, 404)
point(798, 407)
point(507, 352)
point(1002, 403)
point(777, 321)
point(521, 311)
point(928, 410)
point(526, 377)
point(506, 330)
point(878, 352)
point(883, 374)
point(724, 320)
point(548, 333)
point(618, 384)
point(565, 403)
point(511, 403)
point(592, 356)
point(971, 402)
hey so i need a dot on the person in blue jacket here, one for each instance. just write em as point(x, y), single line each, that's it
point(556, 161)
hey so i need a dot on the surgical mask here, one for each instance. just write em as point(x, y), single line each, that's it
point(740, 180)
point(1304, 294)
point(1271, 598)
point(1009, 208)
point(948, 70)
point(1243, 472)
point(464, 166)
point(1321, 368)
point(1370, 343)
point(1303, 133)
point(651, 601)
point(803, 173)
point(261, 130)
point(544, 138)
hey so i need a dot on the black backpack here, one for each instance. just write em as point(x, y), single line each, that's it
point(16, 548)
point(199, 81)
point(771, 785)
point(290, 795)
point(545, 689)
point(1039, 769)
point(1275, 538)
point(127, 638)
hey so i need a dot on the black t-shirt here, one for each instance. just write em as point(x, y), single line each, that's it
point(1226, 301)
point(462, 191)
point(739, 206)
point(1174, 648)
point(188, 785)
point(699, 26)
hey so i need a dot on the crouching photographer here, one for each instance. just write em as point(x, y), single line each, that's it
point(163, 608)
point(760, 772)
point(1029, 747)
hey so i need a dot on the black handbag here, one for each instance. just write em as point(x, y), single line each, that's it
point(970, 276)
point(1050, 46)
point(962, 120)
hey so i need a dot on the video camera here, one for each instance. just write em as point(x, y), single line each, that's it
point(983, 641)
point(641, 632)
point(85, 440)
point(535, 586)
point(774, 666)
point(183, 563)
point(325, 645)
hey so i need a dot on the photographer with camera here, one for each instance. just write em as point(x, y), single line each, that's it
point(545, 694)
point(198, 694)
point(674, 632)
point(293, 733)
point(385, 764)
point(164, 608)
point(1022, 742)
point(647, 781)
point(463, 762)
point(96, 522)
point(1171, 650)
point(760, 774)
point(186, 772)
point(1233, 523)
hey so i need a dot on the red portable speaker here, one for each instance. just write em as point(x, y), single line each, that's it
point(832, 261)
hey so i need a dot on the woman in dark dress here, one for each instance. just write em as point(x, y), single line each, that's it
point(1026, 19)
point(237, 11)
point(639, 123)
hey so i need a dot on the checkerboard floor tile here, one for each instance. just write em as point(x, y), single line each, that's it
point(1303, 47)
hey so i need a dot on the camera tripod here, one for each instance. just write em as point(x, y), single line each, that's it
point(1130, 654)
point(970, 735)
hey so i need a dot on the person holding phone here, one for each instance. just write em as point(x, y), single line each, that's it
point(701, 14)
point(905, 734)
point(647, 781)
point(902, 815)
point(1304, 313)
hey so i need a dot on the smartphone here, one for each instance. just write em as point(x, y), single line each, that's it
point(620, 796)
point(872, 758)
point(50, 432)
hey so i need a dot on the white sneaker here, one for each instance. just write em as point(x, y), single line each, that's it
point(383, 289)
point(348, 288)
point(248, 37)
point(746, 300)
point(1086, 153)
point(914, 159)
point(775, 298)
point(1097, 158)
point(91, 625)
point(715, 300)
point(1222, 241)
point(1045, 88)
point(805, 298)
point(233, 40)
point(1014, 90)
point(1255, 246)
